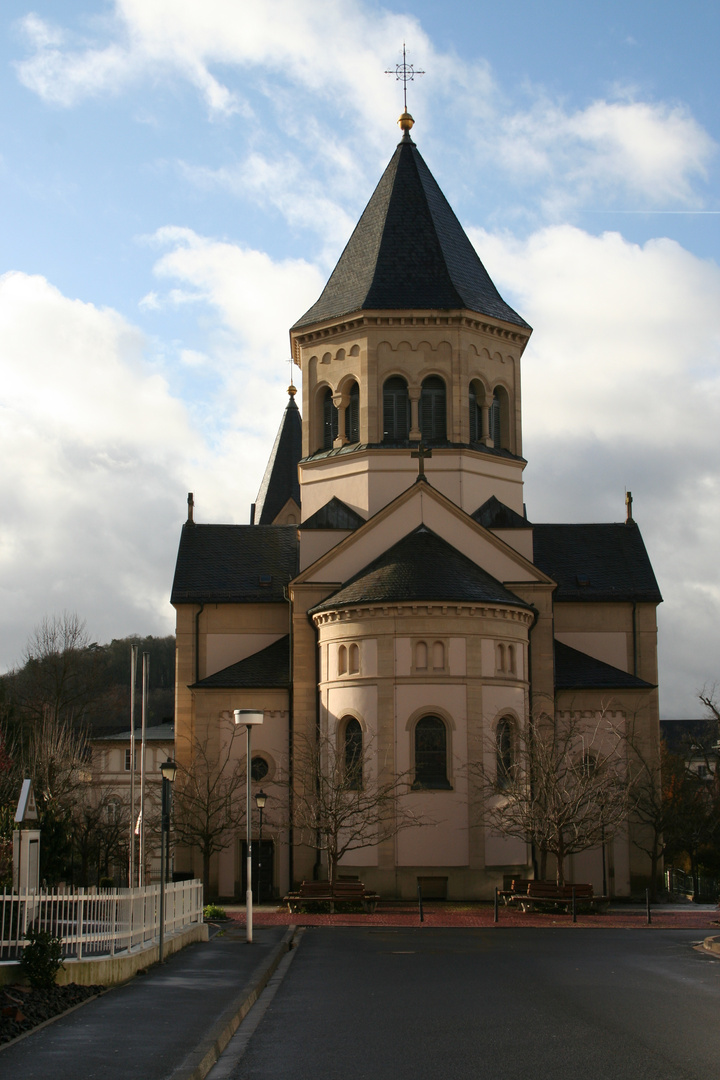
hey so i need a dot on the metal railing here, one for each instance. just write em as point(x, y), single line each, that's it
point(678, 883)
point(95, 924)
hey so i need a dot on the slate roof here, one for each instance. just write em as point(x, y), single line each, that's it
point(421, 567)
point(157, 733)
point(494, 514)
point(280, 481)
point(267, 669)
point(596, 562)
point(408, 251)
point(575, 670)
point(334, 515)
point(234, 563)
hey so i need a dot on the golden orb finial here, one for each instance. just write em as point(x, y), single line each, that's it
point(406, 121)
point(292, 390)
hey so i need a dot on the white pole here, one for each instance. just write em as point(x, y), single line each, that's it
point(133, 678)
point(248, 893)
point(145, 683)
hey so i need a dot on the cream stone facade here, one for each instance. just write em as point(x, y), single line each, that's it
point(402, 598)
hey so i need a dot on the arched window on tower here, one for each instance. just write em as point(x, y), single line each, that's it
point(396, 410)
point(352, 415)
point(431, 754)
point(330, 420)
point(353, 659)
point(475, 404)
point(505, 752)
point(495, 421)
point(353, 754)
point(433, 410)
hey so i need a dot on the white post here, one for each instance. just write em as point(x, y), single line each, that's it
point(248, 717)
point(145, 684)
point(133, 677)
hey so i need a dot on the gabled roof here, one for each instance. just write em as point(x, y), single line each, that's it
point(421, 567)
point(267, 669)
point(682, 736)
point(575, 670)
point(596, 562)
point(280, 481)
point(409, 251)
point(494, 514)
point(234, 563)
point(164, 732)
point(334, 515)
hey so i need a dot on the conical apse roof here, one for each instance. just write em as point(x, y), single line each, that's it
point(280, 481)
point(409, 251)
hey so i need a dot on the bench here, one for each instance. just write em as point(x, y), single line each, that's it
point(517, 890)
point(558, 896)
point(322, 892)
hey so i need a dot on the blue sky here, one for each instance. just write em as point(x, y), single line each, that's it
point(178, 180)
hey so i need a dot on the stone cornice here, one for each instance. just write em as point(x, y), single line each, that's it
point(469, 321)
point(505, 612)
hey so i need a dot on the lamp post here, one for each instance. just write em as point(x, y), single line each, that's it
point(260, 800)
point(249, 717)
point(168, 770)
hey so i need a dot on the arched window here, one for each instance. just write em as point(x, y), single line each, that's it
point(342, 660)
point(352, 415)
point(330, 420)
point(396, 410)
point(433, 410)
point(353, 754)
point(431, 754)
point(511, 659)
point(495, 421)
point(438, 656)
point(476, 431)
point(353, 660)
point(500, 656)
point(505, 753)
point(421, 656)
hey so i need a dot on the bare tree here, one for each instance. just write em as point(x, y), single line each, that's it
point(560, 785)
point(341, 804)
point(208, 807)
point(60, 671)
point(657, 784)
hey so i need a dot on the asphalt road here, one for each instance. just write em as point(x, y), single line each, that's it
point(391, 1004)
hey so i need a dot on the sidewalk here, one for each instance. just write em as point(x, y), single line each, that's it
point(158, 1025)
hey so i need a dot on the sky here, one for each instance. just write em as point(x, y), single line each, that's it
point(177, 181)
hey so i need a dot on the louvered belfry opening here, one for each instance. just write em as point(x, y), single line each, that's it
point(495, 421)
point(433, 410)
point(396, 410)
point(352, 415)
point(475, 407)
point(330, 420)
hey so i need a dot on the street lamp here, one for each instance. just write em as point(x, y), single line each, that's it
point(248, 717)
point(260, 800)
point(169, 771)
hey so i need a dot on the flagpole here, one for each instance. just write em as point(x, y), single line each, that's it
point(145, 683)
point(133, 678)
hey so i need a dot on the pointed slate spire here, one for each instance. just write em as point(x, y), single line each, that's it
point(280, 481)
point(409, 251)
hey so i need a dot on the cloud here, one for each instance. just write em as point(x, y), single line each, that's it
point(89, 436)
point(621, 389)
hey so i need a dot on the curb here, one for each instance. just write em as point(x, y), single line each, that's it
point(200, 1061)
point(712, 944)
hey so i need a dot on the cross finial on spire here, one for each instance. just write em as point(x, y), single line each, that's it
point(404, 73)
point(628, 508)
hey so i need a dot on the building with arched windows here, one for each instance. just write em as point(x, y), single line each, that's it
point(390, 591)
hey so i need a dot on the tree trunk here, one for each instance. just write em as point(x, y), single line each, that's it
point(560, 856)
point(654, 859)
point(206, 879)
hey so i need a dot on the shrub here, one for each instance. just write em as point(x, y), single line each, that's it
point(41, 958)
point(214, 911)
point(107, 883)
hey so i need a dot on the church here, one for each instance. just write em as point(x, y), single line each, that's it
point(390, 593)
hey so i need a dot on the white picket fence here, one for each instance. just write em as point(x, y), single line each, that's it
point(103, 923)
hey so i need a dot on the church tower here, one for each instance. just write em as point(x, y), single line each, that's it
point(410, 342)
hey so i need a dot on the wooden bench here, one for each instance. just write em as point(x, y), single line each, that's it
point(547, 893)
point(517, 890)
point(322, 892)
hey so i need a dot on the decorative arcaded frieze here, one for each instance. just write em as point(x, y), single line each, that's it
point(365, 611)
point(324, 332)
